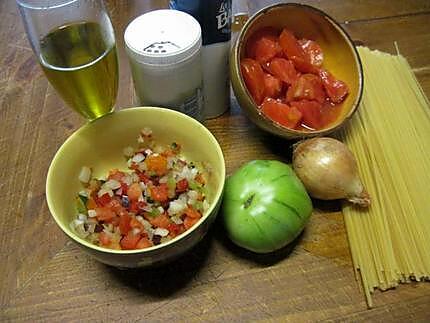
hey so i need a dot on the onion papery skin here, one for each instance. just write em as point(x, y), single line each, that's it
point(328, 170)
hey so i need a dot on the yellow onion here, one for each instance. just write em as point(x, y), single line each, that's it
point(328, 170)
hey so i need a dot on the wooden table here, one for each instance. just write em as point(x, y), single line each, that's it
point(45, 277)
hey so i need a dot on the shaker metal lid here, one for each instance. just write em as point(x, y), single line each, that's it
point(163, 37)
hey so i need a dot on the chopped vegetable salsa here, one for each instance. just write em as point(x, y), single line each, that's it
point(286, 79)
point(160, 196)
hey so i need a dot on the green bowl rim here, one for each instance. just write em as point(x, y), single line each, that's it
point(87, 244)
point(292, 133)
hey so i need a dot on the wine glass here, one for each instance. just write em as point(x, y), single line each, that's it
point(75, 45)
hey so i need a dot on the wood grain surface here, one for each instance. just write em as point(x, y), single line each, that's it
point(45, 277)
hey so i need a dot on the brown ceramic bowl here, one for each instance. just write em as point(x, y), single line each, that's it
point(340, 58)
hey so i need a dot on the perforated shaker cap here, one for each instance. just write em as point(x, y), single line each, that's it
point(163, 37)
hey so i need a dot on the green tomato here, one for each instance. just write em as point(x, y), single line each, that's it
point(265, 206)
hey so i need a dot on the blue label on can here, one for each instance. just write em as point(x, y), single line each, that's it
point(214, 17)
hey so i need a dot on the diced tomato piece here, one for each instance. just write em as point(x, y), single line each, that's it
point(309, 87)
point(192, 213)
point(104, 214)
point(189, 222)
point(311, 111)
point(115, 205)
point(182, 185)
point(161, 221)
point(122, 212)
point(253, 76)
point(282, 69)
point(134, 223)
point(304, 66)
point(175, 229)
point(115, 221)
point(134, 166)
point(124, 188)
point(116, 175)
point(91, 203)
point(133, 207)
point(263, 45)
point(144, 243)
point(130, 240)
point(124, 224)
point(295, 52)
point(281, 113)
point(160, 193)
point(157, 164)
point(200, 179)
point(104, 239)
point(143, 177)
point(290, 45)
point(313, 52)
point(336, 89)
point(134, 192)
point(273, 86)
point(104, 199)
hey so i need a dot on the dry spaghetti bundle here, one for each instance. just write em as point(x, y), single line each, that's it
point(390, 137)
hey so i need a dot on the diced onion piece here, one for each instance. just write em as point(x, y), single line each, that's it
point(161, 232)
point(83, 193)
point(85, 174)
point(177, 220)
point(77, 222)
point(145, 223)
point(139, 157)
point(176, 207)
point(170, 162)
point(92, 213)
point(91, 228)
point(136, 231)
point(188, 173)
point(104, 191)
point(163, 179)
point(127, 179)
point(142, 167)
point(111, 184)
point(134, 178)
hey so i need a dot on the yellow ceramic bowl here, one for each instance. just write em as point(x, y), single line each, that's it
point(340, 58)
point(100, 145)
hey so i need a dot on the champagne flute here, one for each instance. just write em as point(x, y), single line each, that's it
point(75, 45)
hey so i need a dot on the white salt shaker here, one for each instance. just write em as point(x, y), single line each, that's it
point(164, 51)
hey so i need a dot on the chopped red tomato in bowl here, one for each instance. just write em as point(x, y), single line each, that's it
point(287, 80)
point(160, 196)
